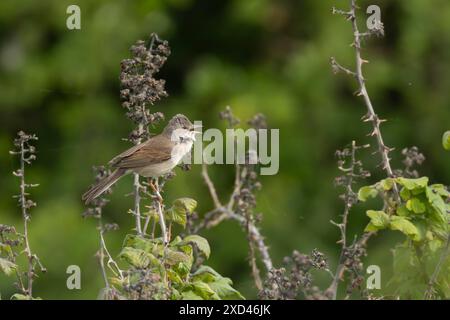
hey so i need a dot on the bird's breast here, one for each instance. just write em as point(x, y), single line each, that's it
point(180, 150)
point(161, 168)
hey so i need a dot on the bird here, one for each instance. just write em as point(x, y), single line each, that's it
point(151, 159)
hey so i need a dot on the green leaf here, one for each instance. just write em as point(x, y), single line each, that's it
point(415, 205)
point(186, 204)
point(7, 267)
point(438, 204)
point(138, 258)
point(441, 190)
point(224, 290)
point(200, 242)
point(19, 296)
point(403, 211)
point(174, 276)
point(378, 219)
point(370, 227)
point(5, 249)
point(405, 226)
point(387, 184)
point(177, 216)
point(367, 192)
point(138, 242)
point(204, 290)
point(205, 274)
point(174, 257)
point(180, 209)
point(190, 295)
point(412, 184)
point(183, 268)
point(405, 194)
point(446, 140)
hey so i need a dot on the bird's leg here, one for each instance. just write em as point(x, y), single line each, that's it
point(153, 183)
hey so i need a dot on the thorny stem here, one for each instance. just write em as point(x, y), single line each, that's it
point(137, 203)
point(371, 116)
point(137, 191)
point(25, 205)
point(255, 269)
point(25, 222)
point(112, 264)
point(343, 226)
point(159, 208)
point(102, 253)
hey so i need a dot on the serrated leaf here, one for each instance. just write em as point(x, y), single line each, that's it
point(139, 242)
point(378, 219)
point(446, 140)
point(387, 184)
point(224, 290)
point(201, 243)
point(415, 205)
point(177, 216)
point(204, 290)
point(7, 267)
point(206, 274)
point(405, 226)
point(138, 257)
point(173, 257)
point(412, 184)
point(186, 204)
point(180, 209)
point(367, 192)
point(183, 268)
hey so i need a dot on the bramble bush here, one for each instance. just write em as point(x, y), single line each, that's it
point(153, 263)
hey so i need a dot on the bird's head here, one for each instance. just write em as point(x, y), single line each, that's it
point(180, 129)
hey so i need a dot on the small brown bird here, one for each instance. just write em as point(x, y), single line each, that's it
point(153, 158)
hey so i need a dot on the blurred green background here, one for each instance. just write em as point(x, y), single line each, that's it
point(254, 55)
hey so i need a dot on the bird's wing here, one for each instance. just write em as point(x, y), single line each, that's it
point(155, 150)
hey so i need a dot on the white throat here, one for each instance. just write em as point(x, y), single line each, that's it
point(184, 140)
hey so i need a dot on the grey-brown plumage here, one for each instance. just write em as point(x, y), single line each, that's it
point(153, 158)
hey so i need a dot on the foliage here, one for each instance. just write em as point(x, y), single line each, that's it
point(63, 85)
point(157, 271)
point(423, 217)
point(171, 270)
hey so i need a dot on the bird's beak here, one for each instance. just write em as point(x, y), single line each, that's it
point(194, 127)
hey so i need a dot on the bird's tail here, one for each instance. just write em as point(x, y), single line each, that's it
point(103, 185)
